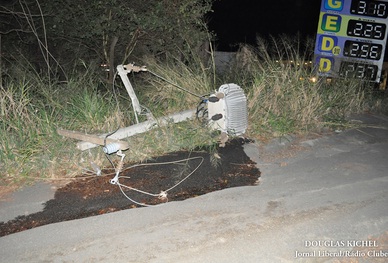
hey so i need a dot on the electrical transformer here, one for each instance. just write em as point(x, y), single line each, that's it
point(227, 110)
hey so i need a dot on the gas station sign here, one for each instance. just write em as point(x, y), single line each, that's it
point(351, 38)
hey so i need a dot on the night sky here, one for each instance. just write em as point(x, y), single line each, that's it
point(239, 21)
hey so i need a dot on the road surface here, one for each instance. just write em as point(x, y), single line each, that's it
point(320, 199)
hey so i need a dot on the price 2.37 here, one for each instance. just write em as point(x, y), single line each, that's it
point(358, 70)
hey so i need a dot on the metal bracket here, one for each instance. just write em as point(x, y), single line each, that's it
point(119, 167)
point(123, 71)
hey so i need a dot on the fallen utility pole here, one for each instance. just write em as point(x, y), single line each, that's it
point(138, 128)
point(91, 141)
point(94, 139)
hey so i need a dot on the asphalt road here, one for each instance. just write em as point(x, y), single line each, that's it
point(319, 200)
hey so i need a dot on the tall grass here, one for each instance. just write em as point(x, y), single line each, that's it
point(281, 96)
point(177, 85)
point(281, 100)
point(32, 110)
point(20, 135)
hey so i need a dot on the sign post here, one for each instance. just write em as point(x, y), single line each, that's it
point(351, 39)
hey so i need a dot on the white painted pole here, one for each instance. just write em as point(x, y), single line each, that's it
point(135, 101)
point(141, 127)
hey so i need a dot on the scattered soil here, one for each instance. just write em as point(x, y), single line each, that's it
point(6, 188)
point(205, 172)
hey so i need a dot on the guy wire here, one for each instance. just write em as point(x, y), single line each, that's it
point(174, 84)
point(118, 109)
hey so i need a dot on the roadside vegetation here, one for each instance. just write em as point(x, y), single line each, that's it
point(282, 99)
point(286, 96)
point(276, 76)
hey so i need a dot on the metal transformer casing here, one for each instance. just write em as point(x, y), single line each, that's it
point(229, 114)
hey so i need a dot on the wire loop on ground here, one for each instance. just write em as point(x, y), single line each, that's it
point(163, 193)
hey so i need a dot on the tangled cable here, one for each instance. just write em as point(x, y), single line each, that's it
point(163, 193)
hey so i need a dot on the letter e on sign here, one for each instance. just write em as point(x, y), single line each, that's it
point(331, 23)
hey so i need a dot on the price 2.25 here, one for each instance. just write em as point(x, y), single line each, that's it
point(366, 29)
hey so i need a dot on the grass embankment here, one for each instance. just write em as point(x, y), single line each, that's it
point(281, 100)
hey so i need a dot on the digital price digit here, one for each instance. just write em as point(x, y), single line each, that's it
point(371, 8)
point(358, 70)
point(356, 49)
point(366, 29)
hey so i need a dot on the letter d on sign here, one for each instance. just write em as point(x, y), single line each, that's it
point(327, 43)
point(325, 64)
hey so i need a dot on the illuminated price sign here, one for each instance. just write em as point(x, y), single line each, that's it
point(363, 50)
point(370, 8)
point(364, 29)
point(351, 38)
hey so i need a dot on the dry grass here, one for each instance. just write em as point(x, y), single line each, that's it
point(31, 113)
point(180, 86)
point(281, 100)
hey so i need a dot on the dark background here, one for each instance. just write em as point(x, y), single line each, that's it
point(240, 21)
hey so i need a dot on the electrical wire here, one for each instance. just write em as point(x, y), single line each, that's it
point(202, 111)
point(174, 84)
point(118, 110)
point(163, 193)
